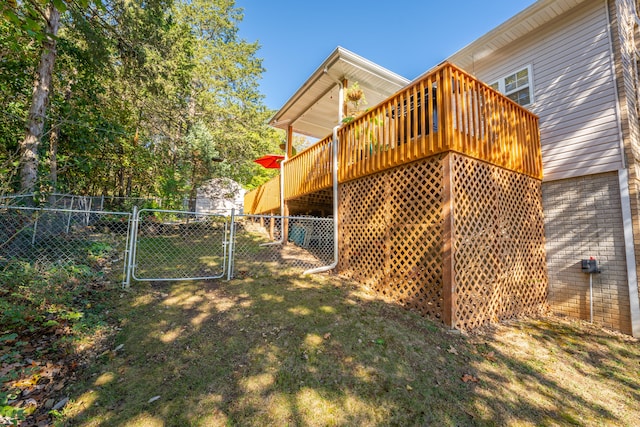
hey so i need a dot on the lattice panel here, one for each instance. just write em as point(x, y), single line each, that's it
point(363, 229)
point(498, 244)
point(391, 234)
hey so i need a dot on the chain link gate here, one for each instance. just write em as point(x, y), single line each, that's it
point(178, 245)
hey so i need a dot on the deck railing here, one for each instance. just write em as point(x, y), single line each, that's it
point(446, 110)
point(310, 170)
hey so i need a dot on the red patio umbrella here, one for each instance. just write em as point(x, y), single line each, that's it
point(270, 161)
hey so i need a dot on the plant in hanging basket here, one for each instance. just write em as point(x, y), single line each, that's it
point(355, 95)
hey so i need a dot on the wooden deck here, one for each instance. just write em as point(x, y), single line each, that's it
point(446, 110)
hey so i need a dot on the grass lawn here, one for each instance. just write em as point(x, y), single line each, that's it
point(275, 348)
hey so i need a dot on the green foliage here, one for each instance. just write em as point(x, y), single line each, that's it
point(63, 301)
point(11, 414)
point(144, 94)
point(32, 298)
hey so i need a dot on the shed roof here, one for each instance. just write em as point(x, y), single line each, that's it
point(313, 109)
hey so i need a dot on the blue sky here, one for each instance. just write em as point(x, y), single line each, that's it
point(407, 37)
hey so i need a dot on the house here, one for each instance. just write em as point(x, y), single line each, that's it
point(476, 234)
point(574, 64)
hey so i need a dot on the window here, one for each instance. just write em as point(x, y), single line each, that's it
point(517, 86)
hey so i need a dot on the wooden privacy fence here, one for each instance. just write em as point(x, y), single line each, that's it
point(265, 198)
point(445, 110)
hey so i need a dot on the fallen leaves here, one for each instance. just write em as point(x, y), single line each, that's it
point(36, 369)
point(37, 385)
point(468, 378)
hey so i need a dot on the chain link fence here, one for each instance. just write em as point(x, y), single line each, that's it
point(47, 238)
point(153, 244)
point(258, 244)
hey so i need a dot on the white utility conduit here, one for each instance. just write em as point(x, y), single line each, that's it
point(591, 297)
point(335, 209)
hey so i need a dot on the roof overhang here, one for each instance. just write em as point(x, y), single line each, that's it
point(520, 25)
point(314, 109)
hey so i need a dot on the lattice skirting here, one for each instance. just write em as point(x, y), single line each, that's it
point(391, 234)
point(392, 239)
point(497, 244)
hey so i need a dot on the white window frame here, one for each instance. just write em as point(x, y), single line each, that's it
point(502, 87)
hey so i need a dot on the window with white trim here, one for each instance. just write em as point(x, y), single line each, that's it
point(517, 86)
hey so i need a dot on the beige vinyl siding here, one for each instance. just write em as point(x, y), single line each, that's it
point(573, 90)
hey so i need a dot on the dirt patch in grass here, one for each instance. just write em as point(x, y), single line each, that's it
point(284, 350)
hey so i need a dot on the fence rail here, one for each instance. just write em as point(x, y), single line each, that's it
point(110, 203)
point(445, 110)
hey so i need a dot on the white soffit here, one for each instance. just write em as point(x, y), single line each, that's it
point(525, 22)
point(313, 109)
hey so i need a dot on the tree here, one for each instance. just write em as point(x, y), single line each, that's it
point(139, 95)
point(224, 86)
point(17, 66)
point(41, 88)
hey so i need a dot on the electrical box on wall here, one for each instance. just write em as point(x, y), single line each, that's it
point(590, 266)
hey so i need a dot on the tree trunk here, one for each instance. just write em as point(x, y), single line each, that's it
point(193, 193)
point(120, 182)
point(41, 88)
point(53, 164)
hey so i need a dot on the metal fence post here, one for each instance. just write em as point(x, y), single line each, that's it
point(87, 215)
point(131, 247)
point(69, 218)
point(35, 227)
point(231, 243)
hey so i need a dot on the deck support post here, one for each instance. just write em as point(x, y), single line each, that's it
point(271, 226)
point(448, 276)
point(285, 223)
point(289, 145)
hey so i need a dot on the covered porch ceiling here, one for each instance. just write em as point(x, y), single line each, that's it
point(314, 109)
